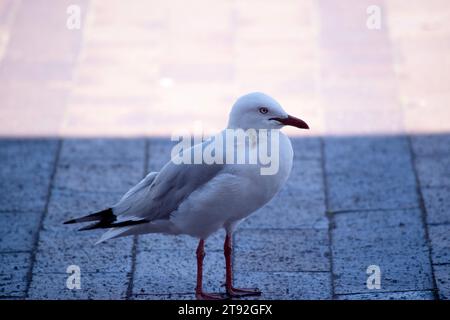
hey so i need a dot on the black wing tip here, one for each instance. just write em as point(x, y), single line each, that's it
point(89, 227)
point(71, 221)
point(106, 214)
point(104, 219)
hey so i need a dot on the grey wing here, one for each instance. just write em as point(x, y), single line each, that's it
point(133, 196)
point(158, 198)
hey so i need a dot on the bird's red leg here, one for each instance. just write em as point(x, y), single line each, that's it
point(199, 294)
point(232, 291)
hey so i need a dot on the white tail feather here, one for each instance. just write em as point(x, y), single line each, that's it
point(112, 233)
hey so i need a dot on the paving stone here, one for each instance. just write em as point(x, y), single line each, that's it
point(440, 242)
point(287, 285)
point(307, 213)
point(409, 295)
point(392, 240)
point(431, 145)
point(98, 175)
point(150, 242)
point(433, 172)
point(307, 148)
point(369, 173)
point(366, 153)
point(99, 286)
point(281, 250)
point(174, 272)
point(57, 250)
point(19, 197)
point(437, 204)
point(97, 165)
point(100, 149)
point(380, 226)
point(13, 274)
point(18, 230)
point(26, 167)
point(442, 274)
point(355, 192)
point(21, 150)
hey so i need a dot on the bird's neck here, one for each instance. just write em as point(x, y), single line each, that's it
point(255, 136)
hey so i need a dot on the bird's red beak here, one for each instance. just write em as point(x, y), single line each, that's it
point(292, 121)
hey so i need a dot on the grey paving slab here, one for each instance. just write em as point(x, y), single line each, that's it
point(102, 286)
point(440, 242)
point(97, 165)
point(287, 285)
point(356, 192)
point(103, 149)
point(13, 274)
point(174, 272)
point(18, 230)
point(433, 171)
point(305, 213)
point(57, 250)
point(149, 242)
point(410, 295)
point(437, 204)
point(21, 149)
point(98, 175)
point(431, 145)
point(392, 240)
point(369, 173)
point(442, 274)
point(385, 226)
point(307, 148)
point(26, 167)
point(343, 152)
point(281, 250)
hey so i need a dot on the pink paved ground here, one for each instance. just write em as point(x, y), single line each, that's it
point(152, 67)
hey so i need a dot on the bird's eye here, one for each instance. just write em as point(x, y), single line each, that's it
point(263, 110)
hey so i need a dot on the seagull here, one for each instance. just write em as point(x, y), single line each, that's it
point(200, 199)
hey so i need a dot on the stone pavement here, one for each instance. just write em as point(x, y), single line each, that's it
point(370, 183)
point(349, 203)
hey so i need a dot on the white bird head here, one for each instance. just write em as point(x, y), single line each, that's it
point(259, 111)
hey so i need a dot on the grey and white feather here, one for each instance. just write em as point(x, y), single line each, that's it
point(199, 199)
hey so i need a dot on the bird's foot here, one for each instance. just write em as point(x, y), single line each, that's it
point(237, 293)
point(210, 296)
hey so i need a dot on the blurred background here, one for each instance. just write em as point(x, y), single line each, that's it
point(149, 67)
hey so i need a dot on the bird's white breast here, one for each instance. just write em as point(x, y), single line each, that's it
point(232, 195)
